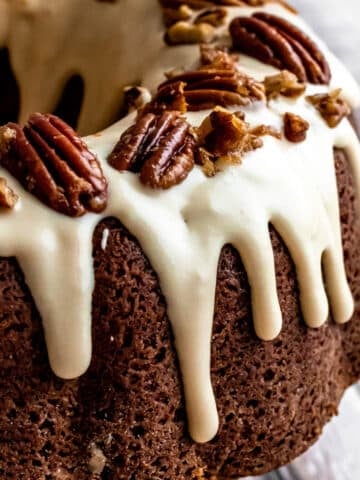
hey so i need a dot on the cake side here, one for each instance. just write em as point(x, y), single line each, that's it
point(130, 406)
point(223, 151)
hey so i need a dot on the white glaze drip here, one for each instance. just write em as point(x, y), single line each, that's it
point(51, 40)
point(183, 230)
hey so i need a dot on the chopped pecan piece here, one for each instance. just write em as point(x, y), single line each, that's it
point(208, 87)
point(275, 41)
point(331, 106)
point(284, 83)
point(187, 33)
point(53, 163)
point(224, 137)
point(295, 128)
point(170, 96)
point(158, 147)
point(8, 198)
point(185, 27)
point(135, 98)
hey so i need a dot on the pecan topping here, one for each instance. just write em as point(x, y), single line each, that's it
point(331, 106)
point(158, 147)
point(275, 41)
point(53, 163)
point(8, 198)
point(186, 27)
point(185, 33)
point(207, 87)
point(295, 127)
point(135, 98)
point(170, 96)
point(284, 83)
point(224, 137)
point(217, 57)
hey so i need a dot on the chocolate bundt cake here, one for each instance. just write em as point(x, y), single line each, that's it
point(179, 293)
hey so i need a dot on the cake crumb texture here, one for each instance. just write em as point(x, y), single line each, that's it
point(125, 418)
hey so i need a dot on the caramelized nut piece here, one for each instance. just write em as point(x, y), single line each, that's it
point(217, 57)
point(295, 127)
point(184, 27)
point(284, 83)
point(275, 41)
point(200, 4)
point(186, 33)
point(54, 164)
point(8, 198)
point(211, 85)
point(170, 96)
point(224, 137)
point(331, 107)
point(159, 147)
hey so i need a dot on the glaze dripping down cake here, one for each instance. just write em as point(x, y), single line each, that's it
point(179, 293)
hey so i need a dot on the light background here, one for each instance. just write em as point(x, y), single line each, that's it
point(337, 21)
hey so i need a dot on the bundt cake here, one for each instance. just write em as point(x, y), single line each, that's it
point(179, 293)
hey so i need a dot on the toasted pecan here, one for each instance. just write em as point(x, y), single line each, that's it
point(183, 32)
point(284, 83)
point(160, 147)
point(53, 163)
point(224, 137)
point(295, 127)
point(220, 83)
point(331, 106)
point(8, 197)
point(200, 4)
point(276, 41)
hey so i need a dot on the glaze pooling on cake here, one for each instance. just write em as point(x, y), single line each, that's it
point(64, 45)
point(183, 230)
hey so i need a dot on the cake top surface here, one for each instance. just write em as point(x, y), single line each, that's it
point(50, 42)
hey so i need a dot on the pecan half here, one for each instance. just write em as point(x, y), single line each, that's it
point(331, 106)
point(295, 127)
point(224, 137)
point(158, 147)
point(53, 163)
point(174, 15)
point(284, 83)
point(208, 87)
point(8, 198)
point(275, 41)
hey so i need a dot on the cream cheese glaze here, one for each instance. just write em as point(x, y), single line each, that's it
point(51, 40)
point(182, 231)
